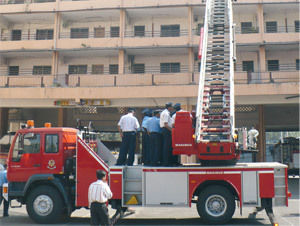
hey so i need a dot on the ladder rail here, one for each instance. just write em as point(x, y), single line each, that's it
point(202, 72)
point(231, 69)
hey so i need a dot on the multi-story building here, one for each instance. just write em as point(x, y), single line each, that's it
point(63, 60)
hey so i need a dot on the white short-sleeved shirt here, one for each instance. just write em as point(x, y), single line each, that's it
point(99, 191)
point(165, 117)
point(128, 123)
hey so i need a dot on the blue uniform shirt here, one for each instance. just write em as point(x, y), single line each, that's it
point(3, 178)
point(153, 125)
point(144, 122)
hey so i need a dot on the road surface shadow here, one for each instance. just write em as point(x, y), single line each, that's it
point(169, 221)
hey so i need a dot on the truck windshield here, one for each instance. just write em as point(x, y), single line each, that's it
point(26, 143)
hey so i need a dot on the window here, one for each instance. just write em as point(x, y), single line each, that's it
point(97, 69)
point(199, 26)
point(248, 66)
point(99, 32)
point(138, 68)
point(297, 65)
point(16, 35)
point(79, 32)
point(273, 65)
point(297, 25)
point(169, 67)
point(51, 143)
point(114, 32)
point(28, 143)
point(13, 70)
point(77, 69)
point(246, 27)
point(170, 30)
point(271, 27)
point(139, 31)
point(45, 34)
point(113, 69)
point(41, 70)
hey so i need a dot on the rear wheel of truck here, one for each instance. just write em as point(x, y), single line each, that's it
point(44, 205)
point(216, 204)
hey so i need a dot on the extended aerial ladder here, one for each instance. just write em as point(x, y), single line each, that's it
point(214, 133)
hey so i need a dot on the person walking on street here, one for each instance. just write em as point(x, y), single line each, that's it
point(155, 138)
point(145, 137)
point(128, 125)
point(166, 125)
point(98, 195)
point(3, 180)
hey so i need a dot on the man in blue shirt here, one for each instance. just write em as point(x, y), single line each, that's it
point(3, 180)
point(145, 137)
point(155, 138)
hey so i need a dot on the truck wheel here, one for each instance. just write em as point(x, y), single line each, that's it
point(44, 205)
point(216, 205)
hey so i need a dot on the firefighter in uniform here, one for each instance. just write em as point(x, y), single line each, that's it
point(145, 137)
point(155, 138)
point(166, 125)
point(128, 126)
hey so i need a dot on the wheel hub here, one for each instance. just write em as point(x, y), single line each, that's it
point(43, 205)
point(215, 205)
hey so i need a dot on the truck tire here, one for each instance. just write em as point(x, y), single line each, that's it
point(44, 205)
point(216, 204)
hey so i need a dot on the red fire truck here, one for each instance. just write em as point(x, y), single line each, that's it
point(50, 170)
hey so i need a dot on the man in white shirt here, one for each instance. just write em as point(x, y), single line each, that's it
point(99, 193)
point(128, 126)
point(252, 138)
point(166, 125)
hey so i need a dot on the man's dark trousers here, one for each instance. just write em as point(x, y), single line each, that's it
point(5, 203)
point(99, 214)
point(146, 148)
point(155, 144)
point(167, 147)
point(127, 146)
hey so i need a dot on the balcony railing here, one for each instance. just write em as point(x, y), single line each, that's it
point(147, 34)
point(282, 29)
point(23, 37)
point(280, 67)
point(147, 79)
point(248, 30)
point(90, 34)
point(7, 2)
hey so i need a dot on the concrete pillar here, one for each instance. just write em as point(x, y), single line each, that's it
point(3, 121)
point(62, 116)
point(56, 32)
point(122, 23)
point(191, 59)
point(260, 20)
point(262, 59)
point(121, 61)
point(54, 65)
point(190, 24)
point(261, 156)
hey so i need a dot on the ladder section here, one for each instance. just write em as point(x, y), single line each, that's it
point(280, 187)
point(214, 120)
point(132, 186)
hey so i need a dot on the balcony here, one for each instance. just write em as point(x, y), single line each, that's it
point(282, 34)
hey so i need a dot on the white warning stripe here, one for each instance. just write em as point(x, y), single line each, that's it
point(266, 171)
point(115, 172)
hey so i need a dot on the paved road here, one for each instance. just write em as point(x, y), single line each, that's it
point(286, 216)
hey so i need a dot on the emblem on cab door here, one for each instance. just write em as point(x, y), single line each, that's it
point(51, 164)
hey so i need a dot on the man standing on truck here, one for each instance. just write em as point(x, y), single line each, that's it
point(128, 126)
point(3, 180)
point(166, 125)
point(99, 193)
point(145, 137)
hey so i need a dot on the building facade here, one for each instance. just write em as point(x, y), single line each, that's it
point(63, 60)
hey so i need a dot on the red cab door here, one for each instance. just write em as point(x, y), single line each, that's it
point(25, 159)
